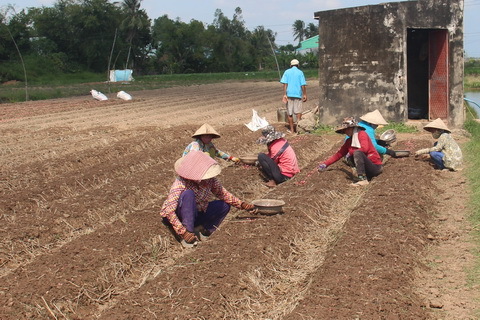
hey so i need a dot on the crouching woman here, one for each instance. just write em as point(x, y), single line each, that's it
point(359, 146)
point(187, 207)
point(280, 163)
point(445, 153)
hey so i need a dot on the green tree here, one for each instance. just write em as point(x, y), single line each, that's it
point(311, 30)
point(180, 47)
point(14, 24)
point(136, 22)
point(299, 31)
point(14, 31)
point(229, 42)
point(83, 31)
point(263, 42)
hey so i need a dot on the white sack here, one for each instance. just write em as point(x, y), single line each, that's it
point(123, 95)
point(97, 95)
point(257, 122)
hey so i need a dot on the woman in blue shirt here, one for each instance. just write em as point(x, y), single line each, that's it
point(370, 121)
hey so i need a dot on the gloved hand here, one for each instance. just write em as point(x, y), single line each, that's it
point(322, 167)
point(391, 153)
point(189, 237)
point(421, 151)
point(234, 159)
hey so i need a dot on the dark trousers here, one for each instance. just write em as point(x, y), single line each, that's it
point(270, 169)
point(364, 166)
point(189, 215)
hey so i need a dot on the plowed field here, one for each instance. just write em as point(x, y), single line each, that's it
point(82, 182)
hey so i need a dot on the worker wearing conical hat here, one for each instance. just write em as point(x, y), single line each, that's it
point(366, 159)
point(445, 153)
point(370, 121)
point(188, 209)
point(203, 142)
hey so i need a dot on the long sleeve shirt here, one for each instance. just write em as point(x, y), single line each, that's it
point(366, 146)
point(209, 148)
point(371, 133)
point(203, 192)
point(452, 154)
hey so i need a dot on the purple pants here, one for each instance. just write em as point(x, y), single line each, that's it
point(189, 215)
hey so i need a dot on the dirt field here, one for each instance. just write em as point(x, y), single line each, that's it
point(82, 183)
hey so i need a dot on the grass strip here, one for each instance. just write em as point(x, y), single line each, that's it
point(471, 152)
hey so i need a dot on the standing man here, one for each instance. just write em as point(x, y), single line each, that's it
point(294, 92)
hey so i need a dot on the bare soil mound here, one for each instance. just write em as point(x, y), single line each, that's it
point(82, 182)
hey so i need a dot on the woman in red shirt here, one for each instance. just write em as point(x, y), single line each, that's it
point(280, 164)
point(359, 146)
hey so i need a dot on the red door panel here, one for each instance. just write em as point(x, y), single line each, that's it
point(438, 74)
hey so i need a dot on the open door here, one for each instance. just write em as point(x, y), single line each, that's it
point(427, 73)
point(438, 71)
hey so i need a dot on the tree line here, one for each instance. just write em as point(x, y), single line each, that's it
point(97, 36)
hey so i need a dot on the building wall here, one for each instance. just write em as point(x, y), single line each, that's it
point(362, 57)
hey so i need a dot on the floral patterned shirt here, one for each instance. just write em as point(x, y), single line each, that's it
point(452, 154)
point(203, 191)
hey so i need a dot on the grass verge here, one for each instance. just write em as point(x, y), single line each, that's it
point(397, 126)
point(471, 152)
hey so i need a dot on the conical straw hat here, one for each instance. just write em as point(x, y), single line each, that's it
point(437, 124)
point(206, 129)
point(374, 117)
point(197, 165)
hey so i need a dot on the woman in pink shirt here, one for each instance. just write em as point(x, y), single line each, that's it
point(280, 164)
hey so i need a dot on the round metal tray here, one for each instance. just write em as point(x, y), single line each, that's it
point(269, 206)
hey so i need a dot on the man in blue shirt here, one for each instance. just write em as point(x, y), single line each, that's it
point(294, 92)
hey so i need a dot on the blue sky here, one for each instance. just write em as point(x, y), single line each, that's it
point(277, 15)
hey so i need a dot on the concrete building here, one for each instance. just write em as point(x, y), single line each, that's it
point(309, 45)
point(403, 58)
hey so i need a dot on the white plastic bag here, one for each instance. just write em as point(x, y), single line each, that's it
point(123, 95)
point(97, 95)
point(257, 122)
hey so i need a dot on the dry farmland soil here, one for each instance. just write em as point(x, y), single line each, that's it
point(82, 183)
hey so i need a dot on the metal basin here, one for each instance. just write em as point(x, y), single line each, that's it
point(249, 159)
point(389, 136)
point(268, 206)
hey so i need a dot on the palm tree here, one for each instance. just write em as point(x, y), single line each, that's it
point(299, 30)
point(311, 30)
point(132, 23)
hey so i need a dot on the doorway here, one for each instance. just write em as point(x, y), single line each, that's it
point(427, 73)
